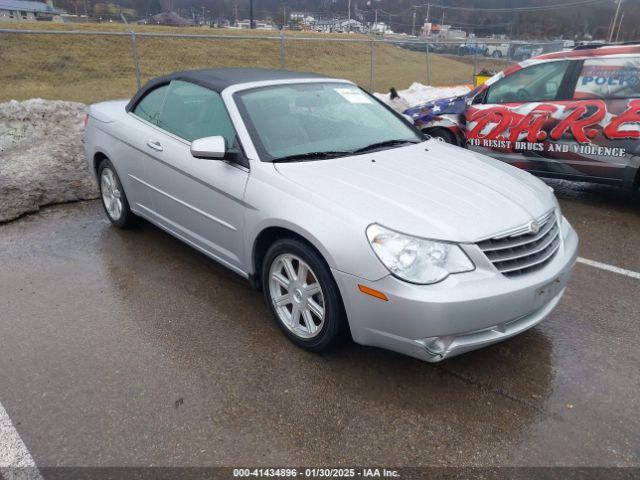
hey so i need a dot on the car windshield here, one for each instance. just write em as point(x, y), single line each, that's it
point(313, 121)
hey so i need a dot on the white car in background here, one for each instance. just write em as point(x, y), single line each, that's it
point(497, 50)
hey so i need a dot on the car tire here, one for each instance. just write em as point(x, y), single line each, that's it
point(497, 54)
point(114, 200)
point(294, 306)
point(444, 135)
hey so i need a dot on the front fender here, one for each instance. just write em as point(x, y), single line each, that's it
point(338, 234)
point(447, 121)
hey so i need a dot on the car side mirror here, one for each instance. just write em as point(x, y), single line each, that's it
point(409, 118)
point(209, 148)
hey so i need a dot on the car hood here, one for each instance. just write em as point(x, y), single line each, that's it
point(432, 190)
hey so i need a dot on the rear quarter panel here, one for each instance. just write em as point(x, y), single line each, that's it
point(112, 132)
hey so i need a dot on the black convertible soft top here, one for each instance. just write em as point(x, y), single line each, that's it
point(218, 79)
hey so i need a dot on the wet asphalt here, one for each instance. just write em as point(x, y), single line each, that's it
point(128, 348)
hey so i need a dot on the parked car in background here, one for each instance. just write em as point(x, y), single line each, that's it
point(413, 45)
point(351, 221)
point(435, 47)
point(524, 52)
point(572, 115)
point(421, 46)
point(497, 50)
point(472, 48)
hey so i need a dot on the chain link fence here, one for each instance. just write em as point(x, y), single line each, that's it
point(90, 66)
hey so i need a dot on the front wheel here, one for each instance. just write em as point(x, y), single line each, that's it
point(303, 296)
point(443, 135)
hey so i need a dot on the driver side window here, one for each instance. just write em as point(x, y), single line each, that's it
point(191, 112)
point(536, 83)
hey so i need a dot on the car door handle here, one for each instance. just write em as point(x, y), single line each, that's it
point(155, 145)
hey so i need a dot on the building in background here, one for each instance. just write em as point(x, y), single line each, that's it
point(351, 25)
point(301, 21)
point(444, 32)
point(326, 25)
point(25, 10)
point(259, 24)
point(380, 28)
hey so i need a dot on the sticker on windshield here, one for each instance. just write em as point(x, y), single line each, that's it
point(353, 95)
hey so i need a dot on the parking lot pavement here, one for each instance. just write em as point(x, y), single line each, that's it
point(607, 219)
point(130, 348)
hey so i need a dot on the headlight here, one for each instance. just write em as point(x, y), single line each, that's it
point(417, 260)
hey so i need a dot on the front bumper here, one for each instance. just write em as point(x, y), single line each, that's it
point(462, 313)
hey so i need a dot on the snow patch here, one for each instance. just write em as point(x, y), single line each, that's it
point(41, 156)
point(418, 93)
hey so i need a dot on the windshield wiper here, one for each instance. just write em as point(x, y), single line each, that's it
point(335, 154)
point(310, 156)
point(386, 143)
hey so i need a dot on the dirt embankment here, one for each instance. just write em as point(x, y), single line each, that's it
point(41, 156)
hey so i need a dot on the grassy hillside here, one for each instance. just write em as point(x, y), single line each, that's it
point(91, 68)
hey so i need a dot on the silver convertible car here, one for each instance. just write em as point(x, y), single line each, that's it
point(351, 221)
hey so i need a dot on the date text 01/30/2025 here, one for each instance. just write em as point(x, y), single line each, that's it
point(316, 472)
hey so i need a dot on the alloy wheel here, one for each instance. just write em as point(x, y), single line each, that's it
point(111, 195)
point(297, 296)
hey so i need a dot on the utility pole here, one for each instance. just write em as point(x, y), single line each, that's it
point(251, 24)
point(203, 15)
point(349, 16)
point(615, 20)
point(413, 24)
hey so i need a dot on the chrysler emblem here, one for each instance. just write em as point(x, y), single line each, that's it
point(534, 227)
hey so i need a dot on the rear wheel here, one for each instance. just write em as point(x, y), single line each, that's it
point(303, 296)
point(113, 198)
point(444, 135)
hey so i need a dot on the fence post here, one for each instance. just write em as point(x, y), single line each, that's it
point(428, 65)
point(136, 60)
point(372, 58)
point(282, 49)
point(475, 63)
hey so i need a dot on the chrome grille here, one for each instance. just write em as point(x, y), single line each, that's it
point(520, 253)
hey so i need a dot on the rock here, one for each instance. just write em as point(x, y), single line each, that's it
point(41, 156)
